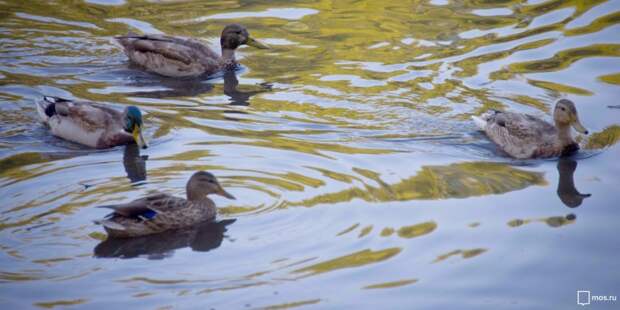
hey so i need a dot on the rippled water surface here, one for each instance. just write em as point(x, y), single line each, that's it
point(360, 180)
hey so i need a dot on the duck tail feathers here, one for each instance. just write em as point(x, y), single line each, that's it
point(44, 106)
point(110, 224)
point(130, 35)
point(126, 40)
point(479, 121)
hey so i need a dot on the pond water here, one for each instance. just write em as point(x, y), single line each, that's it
point(360, 180)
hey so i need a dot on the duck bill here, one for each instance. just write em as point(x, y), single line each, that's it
point(577, 125)
point(254, 43)
point(224, 193)
point(137, 136)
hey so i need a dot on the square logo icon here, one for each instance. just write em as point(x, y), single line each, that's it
point(583, 298)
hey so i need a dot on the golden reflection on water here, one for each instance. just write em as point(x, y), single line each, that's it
point(356, 259)
point(465, 254)
point(552, 221)
point(358, 104)
point(392, 284)
point(440, 182)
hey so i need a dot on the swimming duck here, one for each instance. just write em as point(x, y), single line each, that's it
point(161, 212)
point(92, 124)
point(523, 136)
point(185, 57)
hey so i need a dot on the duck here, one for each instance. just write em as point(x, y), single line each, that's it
point(91, 124)
point(523, 136)
point(186, 57)
point(160, 212)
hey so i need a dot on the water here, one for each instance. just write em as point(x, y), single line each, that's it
point(360, 180)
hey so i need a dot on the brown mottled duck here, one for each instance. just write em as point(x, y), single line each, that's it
point(186, 57)
point(524, 136)
point(161, 212)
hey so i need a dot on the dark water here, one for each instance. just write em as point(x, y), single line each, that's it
point(360, 180)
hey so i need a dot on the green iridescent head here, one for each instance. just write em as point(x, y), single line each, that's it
point(133, 125)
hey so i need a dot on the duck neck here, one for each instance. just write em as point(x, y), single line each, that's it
point(196, 196)
point(228, 55)
point(564, 135)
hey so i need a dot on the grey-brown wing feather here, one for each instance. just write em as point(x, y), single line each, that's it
point(186, 50)
point(517, 134)
point(157, 202)
point(91, 115)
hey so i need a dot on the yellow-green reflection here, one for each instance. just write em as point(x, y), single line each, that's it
point(60, 303)
point(346, 78)
point(440, 182)
point(561, 60)
point(392, 284)
point(552, 221)
point(354, 226)
point(357, 259)
point(293, 304)
point(611, 78)
point(465, 254)
point(561, 88)
point(407, 232)
point(609, 136)
point(416, 230)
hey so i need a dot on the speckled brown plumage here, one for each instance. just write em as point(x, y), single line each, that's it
point(185, 57)
point(161, 212)
point(524, 136)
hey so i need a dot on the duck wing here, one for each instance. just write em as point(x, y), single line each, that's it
point(93, 115)
point(185, 50)
point(518, 134)
point(148, 206)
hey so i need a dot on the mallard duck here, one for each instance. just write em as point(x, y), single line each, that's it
point(185, 57)
point(161, 212)
point(523, 136)
point(92, 124)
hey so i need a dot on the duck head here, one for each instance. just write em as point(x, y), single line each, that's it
point(235, 35)
point(565, 114)
point(133, 125)
point(203, 183)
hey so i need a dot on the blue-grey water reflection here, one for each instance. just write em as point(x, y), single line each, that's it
point(360, 180)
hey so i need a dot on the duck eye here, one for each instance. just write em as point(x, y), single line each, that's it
point(563, 109)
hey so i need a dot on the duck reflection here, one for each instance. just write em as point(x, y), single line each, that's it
point(238, 97)
point(196, 87)
point(201, 238)
point(168, 87)
point(135, 164)
point(552, 221)
point(566, 186)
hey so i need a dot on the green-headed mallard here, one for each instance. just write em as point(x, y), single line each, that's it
point(185, 57)
point(92, 124)
point(160, 212)
point(524, 136)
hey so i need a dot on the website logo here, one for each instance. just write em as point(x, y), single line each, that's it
point(583, 298)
